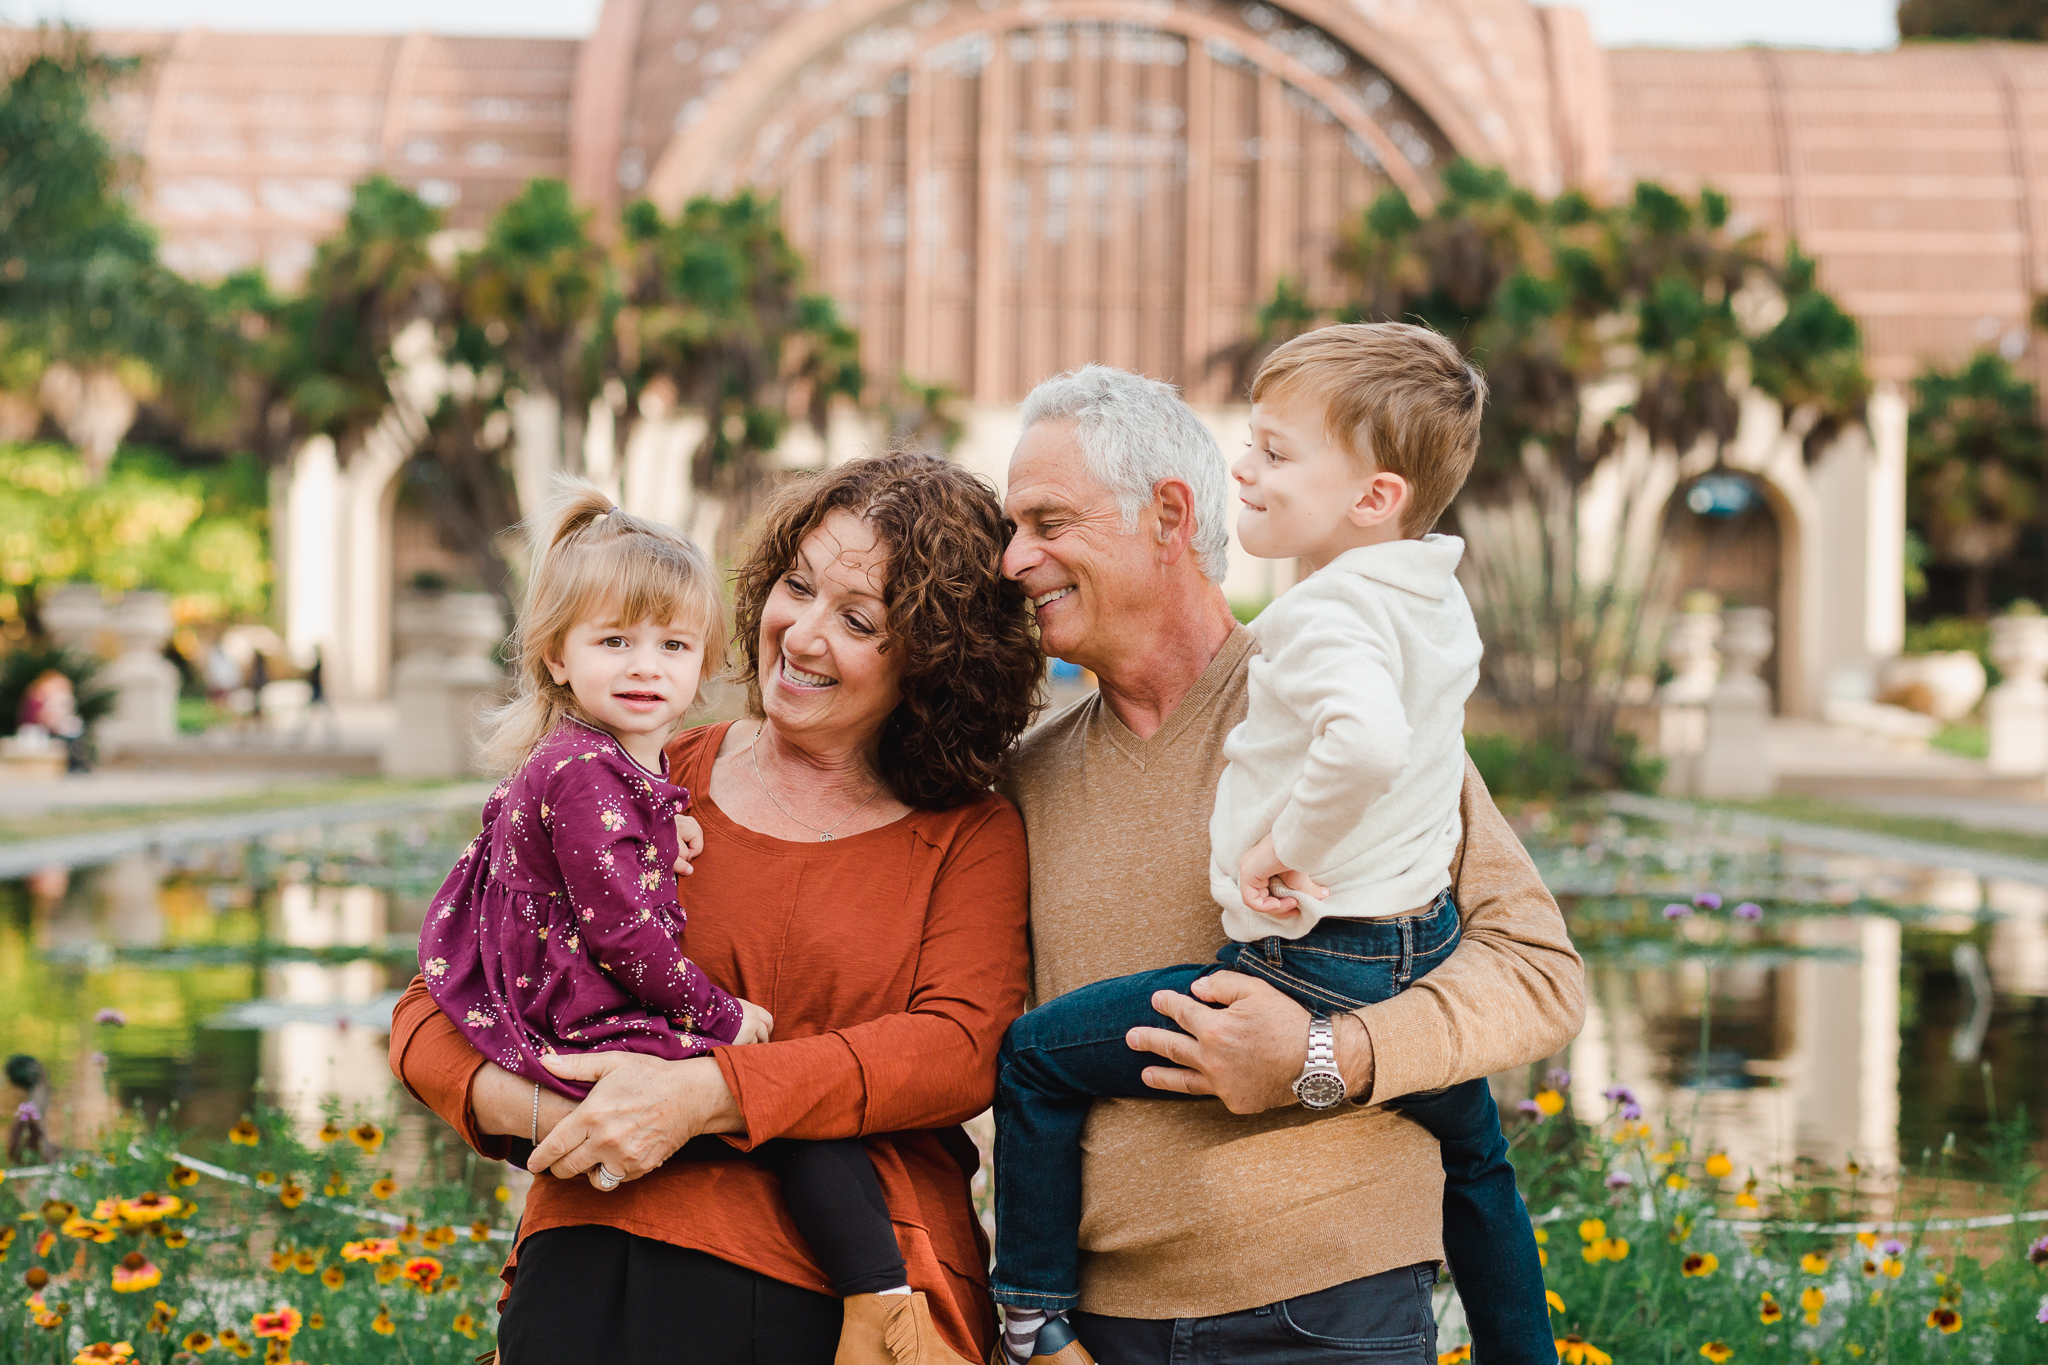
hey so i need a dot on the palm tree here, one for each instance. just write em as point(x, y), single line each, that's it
point(1975, 465)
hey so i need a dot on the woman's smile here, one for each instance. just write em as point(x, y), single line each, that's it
point(796, 677)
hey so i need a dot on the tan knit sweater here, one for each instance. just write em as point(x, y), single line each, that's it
point(1190, 1210)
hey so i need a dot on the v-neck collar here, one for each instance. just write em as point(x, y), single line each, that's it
point(1141, 751)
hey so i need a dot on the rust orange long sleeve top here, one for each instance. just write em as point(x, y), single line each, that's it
point(892, 960)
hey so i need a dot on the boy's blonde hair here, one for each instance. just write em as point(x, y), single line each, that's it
point(588, 557)
point(1393, 396)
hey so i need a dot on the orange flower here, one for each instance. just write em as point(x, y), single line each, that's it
point(6, 1240)
point(44, 1316)
point(1717, 1351)
point(335, 1186)
point(480, 1230)
point(265, 1179)
point(329, 1133)
point(185, 1175)
point(387, 1272)
point(367, 1136)
point(306, 1262)
point(1460, 1355)
point(1699, 1265)
point(1810, 1300)
point(382, 1323)
point(88, 1230)
point(315, 1321)
point(1770, 1311)
point(370, 1249)
point(1719, 1166)
point(198, 1343)
point(464, 1325)
point(280, 1261)
point(332, 1277)
point(177, 1237)
point(45, 1242)
point(423, 1271)
point(1813, 1263)
point(291, 1194)
point(245, 1134)
point(1945, 1320)
point(384, 1189)
point(135, 1273)
point(103, 1352)
point(282, 1323)
point(148, 1208)
point(1576, 1350)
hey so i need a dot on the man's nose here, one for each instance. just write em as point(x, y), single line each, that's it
point(1021, 555)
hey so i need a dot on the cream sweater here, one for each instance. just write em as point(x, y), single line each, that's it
point(1188, 1209)
point(1353, 751)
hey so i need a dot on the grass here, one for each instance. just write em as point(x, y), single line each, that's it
point(1968, 740)
point(1817, 810)
point(326, 791)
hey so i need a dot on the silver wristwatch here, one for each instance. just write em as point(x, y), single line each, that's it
point(1320, 1085)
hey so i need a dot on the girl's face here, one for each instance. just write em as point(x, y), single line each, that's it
point(825, 678)
point(636, 680)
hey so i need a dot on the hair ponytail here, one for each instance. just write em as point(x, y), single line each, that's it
point(588, 556)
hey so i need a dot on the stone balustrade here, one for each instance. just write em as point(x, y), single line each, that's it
point(2016, 711)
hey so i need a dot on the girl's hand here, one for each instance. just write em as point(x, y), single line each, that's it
point(690, 835)
point(639, 1112)
point(1255, 874)
point(756, 1024)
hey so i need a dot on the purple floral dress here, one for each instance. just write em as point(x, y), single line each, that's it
point(558, 929)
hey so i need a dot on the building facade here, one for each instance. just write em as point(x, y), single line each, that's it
point(995, 190)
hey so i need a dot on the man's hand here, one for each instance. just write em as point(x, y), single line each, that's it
point(639, 1112)
point(756, 1024)
point(690, 835)
point(1255, 874)
point(1247, 1053)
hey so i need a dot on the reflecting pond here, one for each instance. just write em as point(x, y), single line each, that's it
point(1856, 1017)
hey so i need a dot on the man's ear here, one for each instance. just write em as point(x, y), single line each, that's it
point(1384, 499)
point(1173, 509)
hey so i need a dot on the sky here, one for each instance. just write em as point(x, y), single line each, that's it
point(1616, 23)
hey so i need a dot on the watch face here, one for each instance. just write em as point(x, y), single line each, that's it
point(1320, 1090)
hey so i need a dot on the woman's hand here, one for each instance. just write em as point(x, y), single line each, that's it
point(639, 1112)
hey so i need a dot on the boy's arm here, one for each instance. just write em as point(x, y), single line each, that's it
point(621, 887)
point(1336, 674)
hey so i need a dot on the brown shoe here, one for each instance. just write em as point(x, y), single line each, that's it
point(893, 1329)
point(1057, 1345)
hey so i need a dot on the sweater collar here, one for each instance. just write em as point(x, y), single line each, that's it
point(1426, 567)
point(1214, 680)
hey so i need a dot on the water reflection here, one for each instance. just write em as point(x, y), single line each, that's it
point(1851, 1022)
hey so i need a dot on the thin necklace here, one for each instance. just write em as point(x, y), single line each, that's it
point(823, 834)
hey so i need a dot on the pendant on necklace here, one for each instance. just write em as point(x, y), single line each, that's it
point(824, 838)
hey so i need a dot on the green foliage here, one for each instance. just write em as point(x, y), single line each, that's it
point(1544, 768)
point(1976, 460)
point(2019, 20)
point(292, 1224)
point(200, 536)
point(24, 663)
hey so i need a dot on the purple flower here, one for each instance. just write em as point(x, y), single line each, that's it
point(1618, 1094)
point(1677, 910)
point(1892, 1246)
point(99, 1059)
point(2037, 1252)
point(1750, 911)
point(1707, 900)
point(26, 1112)
point(1531, 1107)
point(1618, 1180)
point(1559, 1078)
point(2042, 1316)
point(110, 1015)
point(1631, 1111)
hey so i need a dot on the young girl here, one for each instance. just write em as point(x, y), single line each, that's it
point(558, 930)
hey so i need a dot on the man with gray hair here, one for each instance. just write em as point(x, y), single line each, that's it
point(1253, 1230)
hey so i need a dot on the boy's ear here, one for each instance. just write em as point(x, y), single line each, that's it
point(1383, 499)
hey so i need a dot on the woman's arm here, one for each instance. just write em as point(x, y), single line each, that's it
point(934, 1064)
point(435, 1062)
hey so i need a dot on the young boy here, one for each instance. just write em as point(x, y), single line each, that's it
point(1334, 827)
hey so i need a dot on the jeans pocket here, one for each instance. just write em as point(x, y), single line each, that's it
point(1385, 1318)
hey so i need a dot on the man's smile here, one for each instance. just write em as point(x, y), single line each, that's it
point(1044, 600)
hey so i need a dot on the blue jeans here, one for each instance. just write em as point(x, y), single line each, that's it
point(1065, 1054)
point(1382, 1319)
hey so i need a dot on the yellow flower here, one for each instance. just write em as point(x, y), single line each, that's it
point(6, 1240)
point(329, 1133)
point(280, 1261)
point(1810, 1300)
point(1719, 1166)
point(502, 1194)
point(1868, 1240)
point(177, 1237)
point(370, 1249)
point(1746, 1200)
point(306, 1262)
point(1855, 1350)
point(1556, 1302)
point(1813, 1263)
point(1699, 1265)
point(1676, 1181)
point(335, 1186)
point(1945, 1320)
point(332, 1277)
point(1770, 1310)
point(382, 1323)
point(384, 1189)
point(423, 1271)
point(265, 1179)
point(88, 1230)
point(1460, 1355)
point(245, 1134)
point(44, 1316)
point(198, 1343)
point(1892, 1267)
point(464, 1325)
point(291, 1194)
point(1663, 1158)
point(1592, 1230)
point(316, 1320)
point(1606, 1249)
point(136, 1273)
point(367, 1136)
point(185, 1175)
point(1542, 1236)
point(1542, 1257)
point(1576, 1350)
point(480, 1230)
point(387, 1272)
point(1717, 1351)
point(1549, 1101)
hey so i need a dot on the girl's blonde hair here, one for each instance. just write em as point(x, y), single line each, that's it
point(587, 557)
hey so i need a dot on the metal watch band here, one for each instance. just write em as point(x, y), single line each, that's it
point(1322, 1042)
point(1321, 1085)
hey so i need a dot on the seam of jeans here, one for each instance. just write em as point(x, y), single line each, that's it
point(1324, 993)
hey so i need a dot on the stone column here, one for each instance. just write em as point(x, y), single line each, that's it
point(74, 615)
point(1735, 761)
point(2016, 712)
point(1681, 703)
point(145, 683)
point(444, 679)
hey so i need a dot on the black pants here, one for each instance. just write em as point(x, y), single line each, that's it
point(597, 1295)
point(1383, 1319)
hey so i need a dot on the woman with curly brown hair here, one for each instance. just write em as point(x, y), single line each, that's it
point(859, 881)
